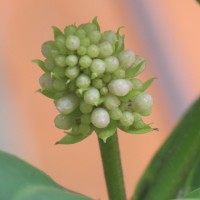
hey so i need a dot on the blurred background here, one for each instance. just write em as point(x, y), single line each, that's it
point(166, 33)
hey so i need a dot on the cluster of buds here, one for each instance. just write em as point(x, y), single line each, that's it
point(91, 78)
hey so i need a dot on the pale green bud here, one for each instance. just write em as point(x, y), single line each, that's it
point(97, 83)
point(49, 64)
point(83, 81)
point(67, 104)
point(104, 91)
point(100, 118)
point(106, 49)
point(60, 61)
point(72, 42)
point(85, 108)
point(115, 114)
point(142, 103)
point(49, 49)
point(85, 61)
point(85, 42)
point(92, 96)
point(72, 72)
point(120, 87)
point(137, 84)
point(119, 73)
point(127, 119)
point(112, 63)
point(59, 84)
point(81, 51)
point(64, 122)
point(126, 58)
point(71, 60)
point(111, 102)
point(98, 66)
point(80, 33)
point(46, 81)
point(93, 51)
point(94, 37)
point(70, 30)
point(109, 36)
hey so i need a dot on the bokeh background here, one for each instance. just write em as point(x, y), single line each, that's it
point(165, 32)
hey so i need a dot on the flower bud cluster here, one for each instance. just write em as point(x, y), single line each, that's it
point(87, 73)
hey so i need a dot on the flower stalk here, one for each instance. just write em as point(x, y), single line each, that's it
point(110, 155)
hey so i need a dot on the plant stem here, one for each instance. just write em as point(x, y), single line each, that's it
point(110, 155)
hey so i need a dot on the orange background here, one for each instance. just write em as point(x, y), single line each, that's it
point(27, 127)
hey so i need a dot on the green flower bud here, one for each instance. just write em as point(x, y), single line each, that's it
point(67, 104)
point(97, 83)
point(120, 73)
point(89, 27)
point(142, 103)
point(60, 44)
point(104, 91)
point(93, 51)
point(137, 84)
point(49, 49)
point(60, 61)
point(94, 37)
point(49, 64)
point(59, 72)
point(127, 119)
point(85, 129)
point(85, 42)
point(85, 119)
point(80, 33)
point(59, 84)
point(72, 72)
point(109, 36)
point(112, 63)
point(72, 42)
point(64, 122)
point(126, 58)
point(100, 118)
point(120, 87)
point(81, 51)
point(111, 102)
point(92, 96)
point(98, 66)
point(71, 60)
point(106, 49)
point(115, 114)
point(107, 78)
point(85, 61)
point(85, 108)
point(83, 81)
point(138, 124)
point(46, 81)
point(70, 30)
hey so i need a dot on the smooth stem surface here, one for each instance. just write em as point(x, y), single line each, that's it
point(110, 155)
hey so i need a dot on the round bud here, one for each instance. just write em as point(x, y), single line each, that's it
point(98, 66)
point(60, 61)
point(71, 60)
point(81, 51)
point(119, 73)
point(115, 114)
point(88, 27)
point(109, 36)
point(72, 72)
point(142, 103)
point(100, 118)
point(67, 104)
point(104, 91)
point(83, 81)
point(107, 78)
point(59, 72)
point(46, 81)
point(93, 51)
point(85, 119)
point(85, 42)
point(126, 58)
point(70, 30)
point(127, 119)
point(59, 84)
point(85, 108)
point(138, 124)
point(49, 64)
point(80, 33)
point(137, 84)
point(120, 87)
point(111, 102)
point(106, 49)
point(85, 61)
point(60, 44)
point(72, 42)
point(49, 49)
point(97, 83)
point(63, 122)
point(112, 63)
point(94, 37)
point(92, 96)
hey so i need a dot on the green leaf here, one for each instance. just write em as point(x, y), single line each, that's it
point(169, 168)
point(133, 71)
point(129, 95)
point(119, 44)
point(147, 84)
point(40, 63)
point(48, 93)
point(147, 128)
point(40, 192)
point(56, 32)
point(16, 175)
point(72, 139)
point(95, 21)
point(107, 132)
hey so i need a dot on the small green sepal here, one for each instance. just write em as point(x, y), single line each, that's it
point(56, 31)
point(40, 63)
point(95, 21)
point(147, 84)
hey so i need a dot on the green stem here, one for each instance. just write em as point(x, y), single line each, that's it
point(112, 168)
